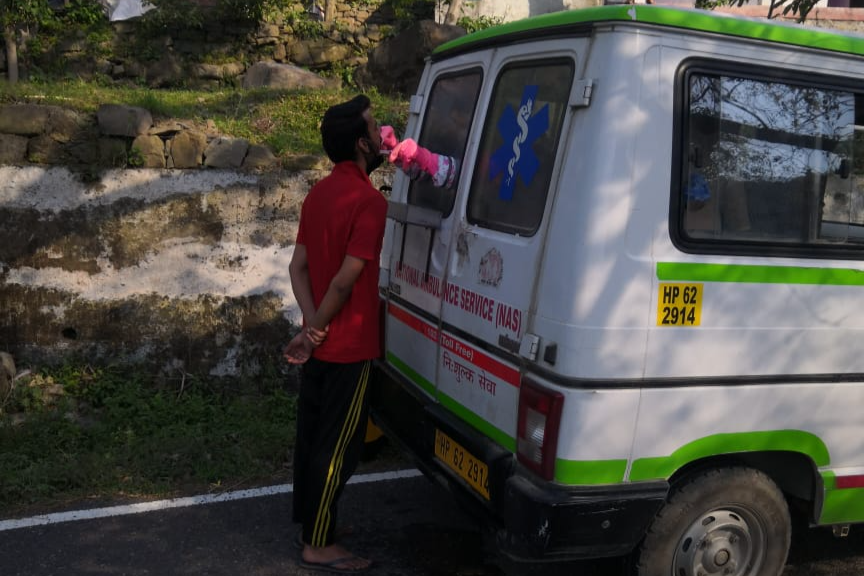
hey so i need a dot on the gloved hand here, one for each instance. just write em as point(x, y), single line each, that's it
point(416, 161)
point(388, 138)
point(408, 154)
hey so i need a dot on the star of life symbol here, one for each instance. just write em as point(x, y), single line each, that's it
point(516, 157)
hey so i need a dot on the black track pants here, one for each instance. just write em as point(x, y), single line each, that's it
point(331, 425)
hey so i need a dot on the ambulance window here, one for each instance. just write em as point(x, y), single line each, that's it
point(518, 146)
point(771, 163)
point(452, 101)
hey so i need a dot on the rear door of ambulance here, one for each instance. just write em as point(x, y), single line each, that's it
point(466, 288)
point(421, 219)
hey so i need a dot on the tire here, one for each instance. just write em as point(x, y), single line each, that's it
point(720, 522)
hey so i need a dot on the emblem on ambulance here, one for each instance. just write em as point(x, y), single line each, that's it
point(519, 129)
point(491, 268)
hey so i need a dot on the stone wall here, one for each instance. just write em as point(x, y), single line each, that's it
point(118, 136)
point(185, 270)
point(219, 51)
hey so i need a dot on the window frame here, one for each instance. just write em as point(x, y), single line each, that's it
point(447, 74)
point(503, 69)
point(679, 165)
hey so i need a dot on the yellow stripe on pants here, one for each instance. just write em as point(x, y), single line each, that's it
point(349, 427)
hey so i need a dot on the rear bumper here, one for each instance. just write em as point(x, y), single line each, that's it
point(532, 519)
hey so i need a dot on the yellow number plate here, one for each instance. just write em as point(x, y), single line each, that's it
point(679, 305)
point(465, 464)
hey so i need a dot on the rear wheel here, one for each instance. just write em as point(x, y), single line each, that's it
point(722, 522)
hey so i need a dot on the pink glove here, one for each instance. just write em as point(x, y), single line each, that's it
point(417, 161)
point(408, 154)
point(388, 138)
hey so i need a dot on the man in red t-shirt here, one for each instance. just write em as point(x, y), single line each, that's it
point(334, 276)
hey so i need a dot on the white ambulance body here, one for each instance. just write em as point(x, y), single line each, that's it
point(638, 322)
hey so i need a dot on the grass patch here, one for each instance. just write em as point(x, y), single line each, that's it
point(286, 120)
point(81, 432)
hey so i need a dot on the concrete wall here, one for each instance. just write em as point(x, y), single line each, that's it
point(185, 270)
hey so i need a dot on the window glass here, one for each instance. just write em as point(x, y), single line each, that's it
point(771, 162)
point(452, 101)
point(518, 146)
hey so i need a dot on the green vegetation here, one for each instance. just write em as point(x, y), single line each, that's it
point(34, 28)
point(186, 14)
point(287, 121)
point(480, 23)
point(171, 14)
point(303, 26)
point(77, 432)
point(407, 12)
point(251, 10)
point(16, 17)
point(83, 13)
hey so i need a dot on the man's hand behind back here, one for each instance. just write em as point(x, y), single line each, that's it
point(299, 349)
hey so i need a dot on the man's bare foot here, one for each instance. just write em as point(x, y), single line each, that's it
point(333, 558)
point(340, 533)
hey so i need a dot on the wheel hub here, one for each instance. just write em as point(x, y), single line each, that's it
point(719, 543)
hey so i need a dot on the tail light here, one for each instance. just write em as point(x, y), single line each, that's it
point(537, 428)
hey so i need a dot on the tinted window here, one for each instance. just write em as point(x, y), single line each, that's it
point(452, 101)
point(518, 146)
point(770, 162)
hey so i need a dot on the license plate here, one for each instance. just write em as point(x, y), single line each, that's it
point(462, 462)
point(679, 304)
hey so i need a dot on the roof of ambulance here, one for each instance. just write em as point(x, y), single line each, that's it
point(685, 19)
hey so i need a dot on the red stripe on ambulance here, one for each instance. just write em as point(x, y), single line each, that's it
point(464, 351)
point(417, 324)
point(856, 481)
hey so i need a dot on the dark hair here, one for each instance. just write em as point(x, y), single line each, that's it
point(342, 126)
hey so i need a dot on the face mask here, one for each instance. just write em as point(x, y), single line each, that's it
point(374, 159)
point(373, 163)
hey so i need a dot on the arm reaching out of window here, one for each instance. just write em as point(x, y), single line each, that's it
point(418, 162)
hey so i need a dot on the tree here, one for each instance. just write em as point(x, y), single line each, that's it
point(17, 17)
point(799, 8)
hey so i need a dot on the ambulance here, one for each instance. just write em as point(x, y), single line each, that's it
point(636, 324)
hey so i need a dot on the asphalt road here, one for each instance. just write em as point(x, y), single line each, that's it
point(407, 526)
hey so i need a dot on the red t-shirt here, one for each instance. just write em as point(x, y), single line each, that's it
point(345, 215)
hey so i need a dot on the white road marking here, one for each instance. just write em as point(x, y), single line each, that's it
point(140, 507)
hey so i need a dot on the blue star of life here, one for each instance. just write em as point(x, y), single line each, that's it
point(516, 157)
